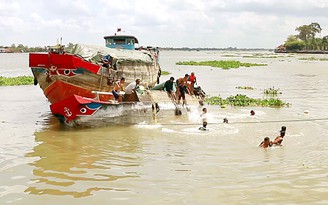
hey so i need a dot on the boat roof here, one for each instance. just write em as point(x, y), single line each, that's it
point(122, 36)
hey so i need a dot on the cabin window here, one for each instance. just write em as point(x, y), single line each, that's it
point(130, 41)
point(109, 41)
point(119, 41)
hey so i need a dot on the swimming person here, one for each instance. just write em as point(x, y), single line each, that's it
point(278, 140)
point(204, 126)
point(203, 116)
point(266, 143)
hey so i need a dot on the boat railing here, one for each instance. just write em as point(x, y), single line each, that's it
point(97, 93)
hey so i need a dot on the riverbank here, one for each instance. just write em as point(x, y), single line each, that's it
point(303, 52)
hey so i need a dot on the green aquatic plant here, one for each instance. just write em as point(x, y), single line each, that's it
point(243, 101)
point(272, 91)
point(215, 100)
point(229, 55)
point(163, 72)
point(245, 87)
point(314, 59)
point(224, 64)
point(261, 56)
point(20, 80)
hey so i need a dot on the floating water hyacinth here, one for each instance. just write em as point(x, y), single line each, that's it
point(243, 101)
point(224, 64)
point(272, 91)
point(20, 80)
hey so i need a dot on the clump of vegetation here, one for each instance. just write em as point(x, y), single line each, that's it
point(228, 55)
point(314, 59)
point(163, 72)
point(224, 64)
point(243, 101)
point(272, 91)
point(307, 39)
point(20, 80)
point(245, 88)
point(260, 56)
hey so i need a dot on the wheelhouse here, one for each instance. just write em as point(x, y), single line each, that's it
point(121, 41)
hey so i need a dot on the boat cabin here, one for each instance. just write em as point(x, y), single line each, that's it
point(121, 40)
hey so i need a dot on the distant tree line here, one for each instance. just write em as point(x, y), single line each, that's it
point(307, 39)
point(20, 48)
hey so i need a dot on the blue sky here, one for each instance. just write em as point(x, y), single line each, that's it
point(164, 23)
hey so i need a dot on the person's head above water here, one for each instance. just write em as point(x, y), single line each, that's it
point(204, 124)
point(283, 131)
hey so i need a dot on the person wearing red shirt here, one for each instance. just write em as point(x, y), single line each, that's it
point(191, 83)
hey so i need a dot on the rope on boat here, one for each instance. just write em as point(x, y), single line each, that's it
point(101, 78)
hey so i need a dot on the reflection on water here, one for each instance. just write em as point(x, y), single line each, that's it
point(68, 160)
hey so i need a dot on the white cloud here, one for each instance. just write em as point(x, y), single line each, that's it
point(192, 23)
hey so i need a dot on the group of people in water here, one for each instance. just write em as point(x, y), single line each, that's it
point(186, 85)
point(266, 141)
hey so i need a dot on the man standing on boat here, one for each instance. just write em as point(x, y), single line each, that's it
point(106, 61)
point(131, 91)
point(132, 87)
point(118, 87)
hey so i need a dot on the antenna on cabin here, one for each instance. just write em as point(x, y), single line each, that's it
point(118, 30)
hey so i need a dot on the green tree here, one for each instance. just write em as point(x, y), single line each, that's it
point(316, 28)
point(294, 44)
point(307, 33)
point(325, 43)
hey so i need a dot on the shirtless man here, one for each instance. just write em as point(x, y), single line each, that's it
point(118, 86)
point(182, 86)
point(266, 143)
point(278, 140)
